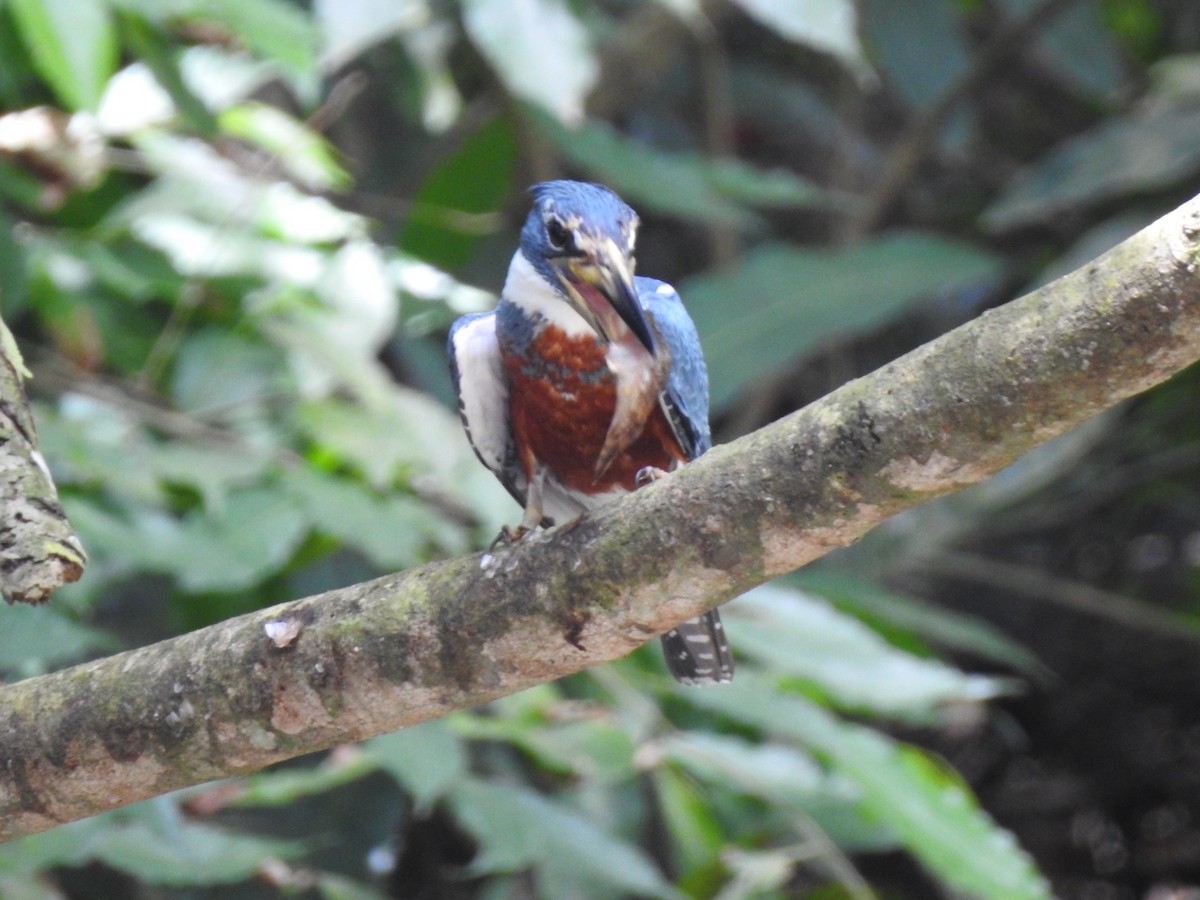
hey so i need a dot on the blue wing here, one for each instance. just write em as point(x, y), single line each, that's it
point(685, 399)
point(697, 651)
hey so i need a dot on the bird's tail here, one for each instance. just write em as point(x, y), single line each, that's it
point(697, 652)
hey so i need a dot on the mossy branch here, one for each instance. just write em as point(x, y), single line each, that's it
point(414, 646)
point(39, 551)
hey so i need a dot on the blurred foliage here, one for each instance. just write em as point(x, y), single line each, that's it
point(232, 236)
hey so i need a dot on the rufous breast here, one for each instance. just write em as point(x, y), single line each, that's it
point(562, 397)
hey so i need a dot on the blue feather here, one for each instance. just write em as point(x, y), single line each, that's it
point(686, 396)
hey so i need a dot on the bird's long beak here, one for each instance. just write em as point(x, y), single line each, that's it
point(599, 282)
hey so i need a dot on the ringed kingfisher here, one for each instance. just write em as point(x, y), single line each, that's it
point(586, 382)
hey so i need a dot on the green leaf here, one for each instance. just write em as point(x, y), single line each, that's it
point(570, 855)
point(687, 185)
point(597, 749)
point(540, 50)
point(763, 188)
point(378, 446)
point(919, 45)
point(338, 887)
point(782, 777)
point(200, 250)
point(73, 44)
point(782, 301)
point(274, 29)
point(219, 370)
point(304, 153)
point(151, 841)
point(282, 786)
point(14, 279)
point(1144, 152)
point(333, 346)
point(773, 771)
point(193, 210)
point(349, 29)
point(1138, 23)
point(25, 887)
point(358, 292)
point(220, 77)
point(250, 539)
point(427, 759)
point(130, 270)
point(66, 845)
point(688, 813)
point(188, 853)
point(392, 531)
point(922, 50)
point(432, 54)
point(154, 50)
point(412, 435)
point(948, 629)
point(37, 639)
point(84, 445)
point(457, 197)
point(21, 186)
point(827, 25)
point(925, 804)
point(94, 443)
point(843, 660)
point(1079, 43)
point(935, 813)
point(16, 69)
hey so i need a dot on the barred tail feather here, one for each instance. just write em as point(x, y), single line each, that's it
point(697, 652)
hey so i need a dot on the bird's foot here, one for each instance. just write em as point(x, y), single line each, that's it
point(509, 535)
point(648, 475)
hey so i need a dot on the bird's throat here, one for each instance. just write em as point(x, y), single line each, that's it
point(599, 312)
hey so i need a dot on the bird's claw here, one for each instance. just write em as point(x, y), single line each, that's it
point(648, 475)
point(509, 535)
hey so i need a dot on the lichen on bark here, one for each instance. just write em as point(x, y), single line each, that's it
point(39, 551)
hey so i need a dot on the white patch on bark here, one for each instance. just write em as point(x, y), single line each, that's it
point(935, 474)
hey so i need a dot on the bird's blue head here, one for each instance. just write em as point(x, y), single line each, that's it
point(580, 237)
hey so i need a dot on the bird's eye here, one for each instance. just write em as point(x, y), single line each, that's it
point(557, 233)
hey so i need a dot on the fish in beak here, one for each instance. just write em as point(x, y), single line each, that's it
point(599, 282)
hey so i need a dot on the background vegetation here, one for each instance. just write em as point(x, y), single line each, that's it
point(232, 236)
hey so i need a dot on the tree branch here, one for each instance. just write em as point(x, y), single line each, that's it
point(414, 646)
point(39, 551)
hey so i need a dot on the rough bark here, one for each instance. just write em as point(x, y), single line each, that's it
point(409, 647)
point(39, 551)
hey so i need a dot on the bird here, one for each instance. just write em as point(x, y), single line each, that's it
point(586, 382)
